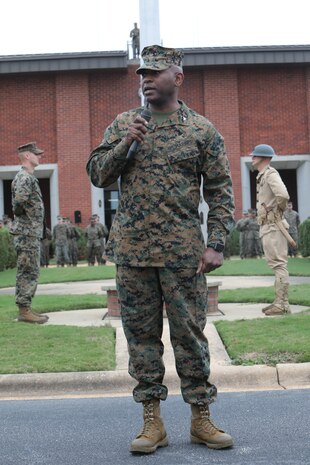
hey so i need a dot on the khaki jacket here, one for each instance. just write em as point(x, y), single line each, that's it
point(271, 192)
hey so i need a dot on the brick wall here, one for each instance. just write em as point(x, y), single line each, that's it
point(66, 113)
point(27, 113)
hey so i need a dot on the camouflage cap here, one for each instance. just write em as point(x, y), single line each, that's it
point(30, 147)
point(159, 58)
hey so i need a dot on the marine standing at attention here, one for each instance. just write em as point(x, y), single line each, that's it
point(27, 231)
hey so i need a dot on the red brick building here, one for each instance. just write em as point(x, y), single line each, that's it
point(64, 102)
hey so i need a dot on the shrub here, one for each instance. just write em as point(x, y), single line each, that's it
point(7, 251)
point(82, 244)
point(304, 238)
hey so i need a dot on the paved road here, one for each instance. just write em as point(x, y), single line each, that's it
point(94, 287)
point(269, 428)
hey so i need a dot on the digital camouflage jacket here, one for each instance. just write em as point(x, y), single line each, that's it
point(157, 222)
point(28, 207)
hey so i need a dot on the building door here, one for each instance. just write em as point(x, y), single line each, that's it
point(111, 199)
point(290, 181)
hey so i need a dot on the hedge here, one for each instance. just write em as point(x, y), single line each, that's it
point(7, 251)
point(304, 238)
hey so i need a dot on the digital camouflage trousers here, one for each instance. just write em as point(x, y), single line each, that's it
point(141, 292)
point(28, 268)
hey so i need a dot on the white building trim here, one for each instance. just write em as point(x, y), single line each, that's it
point(48, 170)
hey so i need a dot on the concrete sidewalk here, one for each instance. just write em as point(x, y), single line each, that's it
point(226, 376)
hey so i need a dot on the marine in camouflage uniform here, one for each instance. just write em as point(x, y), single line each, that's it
point(105, 235)
point(94, 236)
point(241, 227)
point(157, 243)
point(73, 237)
point(27, 231)
point(45, 248)
point(292, 217)
point(253, 248)
point(61, 240)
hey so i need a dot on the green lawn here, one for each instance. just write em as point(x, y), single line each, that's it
point(267, 341)
point(298, 295)
point(28, 348)
point(259, 267)
point(62, 275)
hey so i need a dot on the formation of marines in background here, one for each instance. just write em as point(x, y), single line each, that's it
point(66, 235)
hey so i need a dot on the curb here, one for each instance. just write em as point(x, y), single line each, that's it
point(117, 383)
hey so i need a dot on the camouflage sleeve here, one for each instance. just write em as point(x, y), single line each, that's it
point(107, 161)
point(217, 189)
point(22, 191)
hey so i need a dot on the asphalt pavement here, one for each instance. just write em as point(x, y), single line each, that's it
point(268, 428)
point(226, 376)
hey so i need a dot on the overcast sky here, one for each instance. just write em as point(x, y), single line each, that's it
point(53, 26)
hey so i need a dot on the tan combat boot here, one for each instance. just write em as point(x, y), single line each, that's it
point(204, 431)
point(41, 314)
point(26, 315)
point(281, 304)
point(153, 433)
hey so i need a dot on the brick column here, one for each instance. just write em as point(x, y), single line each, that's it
point(308, 102)
point(221, 107)
point(73, 144)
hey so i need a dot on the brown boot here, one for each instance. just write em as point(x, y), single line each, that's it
point(266, 308)
point(41, 314)
point(26, 315)
point(153, 433)
point(204, 431)
point(281, 304)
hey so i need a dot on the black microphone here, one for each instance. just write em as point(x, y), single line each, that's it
point(146, 114)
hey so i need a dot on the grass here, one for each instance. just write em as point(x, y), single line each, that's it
point(63, 275)
point(298, 295)
point(26, 348)
point(259, 267)
point(41, 349)
point(267, 341)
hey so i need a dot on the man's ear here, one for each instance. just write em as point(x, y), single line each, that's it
point(179, 78)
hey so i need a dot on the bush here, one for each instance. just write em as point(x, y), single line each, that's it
point(304, 238)
point(82, 245)
point(7, 251)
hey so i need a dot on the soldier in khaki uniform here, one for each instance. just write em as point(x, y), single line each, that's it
point(27, 230)
point(272, 198)
point(157, 243)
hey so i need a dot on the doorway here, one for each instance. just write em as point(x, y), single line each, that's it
point(44, 184)
point(289, 178)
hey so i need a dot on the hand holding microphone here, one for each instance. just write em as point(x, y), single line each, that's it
point(139, 129)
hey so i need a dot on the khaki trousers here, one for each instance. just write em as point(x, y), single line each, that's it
point(275, 251)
